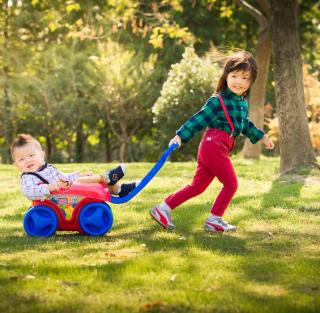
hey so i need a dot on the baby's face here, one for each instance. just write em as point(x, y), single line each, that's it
point(28, 158)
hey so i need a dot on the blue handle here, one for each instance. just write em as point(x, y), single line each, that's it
point(147, 178)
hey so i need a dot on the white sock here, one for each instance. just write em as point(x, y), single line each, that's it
point(212, 216)
point(124, 168)
point(164, 206)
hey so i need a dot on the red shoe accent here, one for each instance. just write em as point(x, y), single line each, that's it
point(217, 227)
point(163, 219)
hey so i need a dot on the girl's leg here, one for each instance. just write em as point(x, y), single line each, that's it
point(201, 180)
point(216, 146)
point(227, 176)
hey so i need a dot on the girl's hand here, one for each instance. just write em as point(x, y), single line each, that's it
point(175, 139)
point(267, 142)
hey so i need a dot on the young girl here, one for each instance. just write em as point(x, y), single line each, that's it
point(225, 115)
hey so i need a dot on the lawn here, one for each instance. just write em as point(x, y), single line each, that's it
point(271, 264)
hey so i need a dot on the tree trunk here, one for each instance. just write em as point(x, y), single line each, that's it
point(79, 143)
point(295, 142)
point(7, 121)
point(8, 130)
point(49, 147)
point(258, 91)
point(122, 151)
point(108, 157)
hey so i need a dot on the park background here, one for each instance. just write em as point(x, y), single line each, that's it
point(112, 80)
point(98, 82)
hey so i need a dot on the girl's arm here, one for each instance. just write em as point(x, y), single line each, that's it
point(255, 134)
point(203, 118)
point(251, 131)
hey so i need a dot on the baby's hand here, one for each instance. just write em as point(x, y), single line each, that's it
point(64, 184)
point(53, 187)
point(267, 142)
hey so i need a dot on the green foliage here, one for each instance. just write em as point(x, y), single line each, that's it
point(190, 82)
point(58, 94)
point(310, 33)
point(125, 91)
point(50, 86)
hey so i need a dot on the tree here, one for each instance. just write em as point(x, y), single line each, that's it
point(295, 142)
point(8, 16)
point(262, 54)
point(125, 87)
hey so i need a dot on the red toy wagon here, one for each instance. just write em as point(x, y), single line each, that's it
point(82, 207)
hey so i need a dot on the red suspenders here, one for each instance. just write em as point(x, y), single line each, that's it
point(226, 114)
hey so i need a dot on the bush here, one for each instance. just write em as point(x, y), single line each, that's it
point(190, 82)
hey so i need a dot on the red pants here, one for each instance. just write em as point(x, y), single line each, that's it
point(213, 161)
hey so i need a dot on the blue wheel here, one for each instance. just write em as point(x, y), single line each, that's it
point(96, 218)
point(40, 221)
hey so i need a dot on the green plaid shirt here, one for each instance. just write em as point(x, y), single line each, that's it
point(212, 116)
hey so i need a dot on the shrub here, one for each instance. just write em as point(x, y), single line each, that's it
point(190, 82)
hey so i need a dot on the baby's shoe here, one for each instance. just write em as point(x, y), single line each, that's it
point(216, 223)
point(163, 217)
point(115, 174)
point(126, 188)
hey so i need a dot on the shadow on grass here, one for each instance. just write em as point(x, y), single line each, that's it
point(283, 194)
point(20, 243)
point(15, 302)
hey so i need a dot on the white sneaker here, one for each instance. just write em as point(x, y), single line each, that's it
point(218, 224)
point(163, 217)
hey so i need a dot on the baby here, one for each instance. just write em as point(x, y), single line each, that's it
point(39, 178)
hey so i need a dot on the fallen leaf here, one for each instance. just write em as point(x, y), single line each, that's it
point(29, 277)
point(152, 305)
point(173, 277)
point(110, 254)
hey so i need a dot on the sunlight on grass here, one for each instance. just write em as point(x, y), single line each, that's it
point(271, 264)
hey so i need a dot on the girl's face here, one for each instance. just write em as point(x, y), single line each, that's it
point(239, 82)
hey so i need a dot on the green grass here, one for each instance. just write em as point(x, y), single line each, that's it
point(271, 264)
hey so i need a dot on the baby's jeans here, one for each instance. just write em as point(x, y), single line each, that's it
point(213, 161)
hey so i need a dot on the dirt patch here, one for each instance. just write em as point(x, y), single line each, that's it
point(305, 180)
